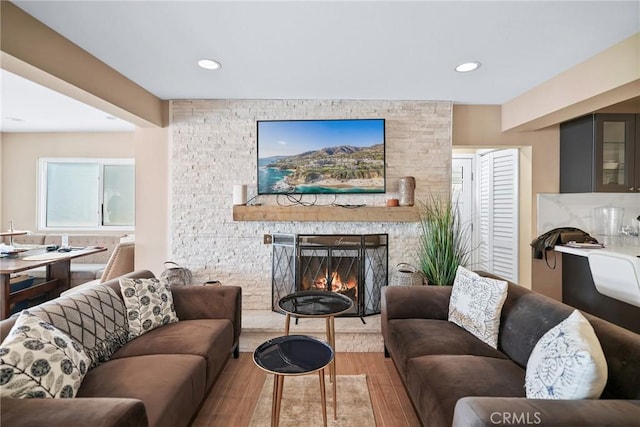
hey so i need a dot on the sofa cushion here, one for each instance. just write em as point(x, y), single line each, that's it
point(39, 360)
point(408, 338)
point(171, 386)
point(92, 412)
point(527, 316)
point(567, 362)
point(435, 383)
point(211, 339)
point(476, 303)
point(94, 316)
point(149, 304)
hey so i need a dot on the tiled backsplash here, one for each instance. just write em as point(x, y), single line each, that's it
point(577, 209)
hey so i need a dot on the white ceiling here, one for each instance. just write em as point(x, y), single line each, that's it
point(332, 49)
point(30, 107)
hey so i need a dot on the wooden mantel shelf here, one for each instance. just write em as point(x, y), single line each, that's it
point(326, 213)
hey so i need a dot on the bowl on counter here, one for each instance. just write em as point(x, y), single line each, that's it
point(610, 165)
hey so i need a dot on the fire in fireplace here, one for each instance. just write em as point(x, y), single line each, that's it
point(352, 265)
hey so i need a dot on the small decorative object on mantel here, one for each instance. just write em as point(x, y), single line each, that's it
point(175, 274)
point(408, 275)
point(407, 187)
point(240, 194)
point(392, 203)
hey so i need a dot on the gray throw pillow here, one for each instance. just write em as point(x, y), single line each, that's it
point(94, 316)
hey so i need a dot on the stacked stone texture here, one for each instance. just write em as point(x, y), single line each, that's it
point(213, 147)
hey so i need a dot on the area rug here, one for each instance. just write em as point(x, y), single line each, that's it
point(301, 404)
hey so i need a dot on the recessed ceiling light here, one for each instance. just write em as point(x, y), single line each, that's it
point(110, 118)
point(15, 119)
point(467, 66)
point(209, 64)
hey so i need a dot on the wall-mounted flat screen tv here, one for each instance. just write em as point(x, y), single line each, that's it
point(321, 156)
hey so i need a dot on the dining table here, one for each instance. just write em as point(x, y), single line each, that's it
point(57, 278)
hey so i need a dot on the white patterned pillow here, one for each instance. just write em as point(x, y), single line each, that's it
point(567, 362)
point(39, 360)
point(94, 316)
point(476, 303)
point(149, 304)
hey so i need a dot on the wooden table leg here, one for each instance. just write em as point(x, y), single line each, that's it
point(278, 383)
point(333, 365)
point(323, 397)
point(329, 340)
point(60, 270)
point(274, 401)
point(280, 387)
point(287, 322)
point(5, 290)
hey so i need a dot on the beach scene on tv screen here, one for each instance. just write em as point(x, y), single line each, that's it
point(321, 156)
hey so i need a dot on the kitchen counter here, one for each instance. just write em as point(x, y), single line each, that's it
point(624, 250)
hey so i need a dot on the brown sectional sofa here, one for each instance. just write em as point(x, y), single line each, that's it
point(455, 379)
point(83, 269)
point(160, 378)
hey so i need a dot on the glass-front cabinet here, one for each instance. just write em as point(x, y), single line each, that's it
point(600, 153)
point(615, 147)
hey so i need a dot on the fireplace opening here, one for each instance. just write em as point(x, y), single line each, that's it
point(351, 265)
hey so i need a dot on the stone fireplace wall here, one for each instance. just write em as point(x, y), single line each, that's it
point(213, 147)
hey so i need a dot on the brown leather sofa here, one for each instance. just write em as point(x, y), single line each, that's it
point(160, 378)
point(455, 379)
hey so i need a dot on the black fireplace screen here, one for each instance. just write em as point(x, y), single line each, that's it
point(352, 265)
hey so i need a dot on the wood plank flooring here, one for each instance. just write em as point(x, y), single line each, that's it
point(235, 393)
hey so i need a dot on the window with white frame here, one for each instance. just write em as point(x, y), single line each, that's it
point(86, 193)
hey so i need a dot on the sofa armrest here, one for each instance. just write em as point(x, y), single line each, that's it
point(210, 302)
point(94, 412)
point(496, 411)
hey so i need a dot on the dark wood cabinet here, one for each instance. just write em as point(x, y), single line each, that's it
point(600, 153)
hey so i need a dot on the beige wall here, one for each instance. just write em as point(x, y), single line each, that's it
point(2, 226)
point(152, 198)
point(19, 156)
point(479, 126)
point(610, 77)
point(30, 49)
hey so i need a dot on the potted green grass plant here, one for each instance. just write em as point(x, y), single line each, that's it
point(444, 240)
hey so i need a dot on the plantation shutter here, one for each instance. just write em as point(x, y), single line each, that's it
point(486, 229)
point(498, 206)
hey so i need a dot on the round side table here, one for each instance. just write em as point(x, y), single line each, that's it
point(318, 304)
point(293, 355)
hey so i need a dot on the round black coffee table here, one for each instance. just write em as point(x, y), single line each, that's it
point(318, 304)
point(293, 355)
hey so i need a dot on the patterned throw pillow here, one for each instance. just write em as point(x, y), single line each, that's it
point(567, 362)
point(476, 303)
point(39, 360)
point(94, 316)
point(149, 304)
